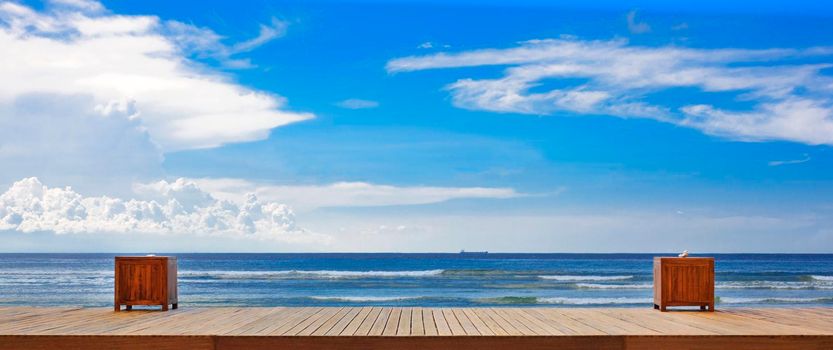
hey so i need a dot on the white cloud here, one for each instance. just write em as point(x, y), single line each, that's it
point(267, 33)
point(791, 161)
point(599, 230)
point(792, 100)
point(636, 27)
point(355, 103)
point(205, 43)
point(85, 5)
point(136, 61)
point(178, 208)
point(62, 139)
point(426, 45)
point(347, 194)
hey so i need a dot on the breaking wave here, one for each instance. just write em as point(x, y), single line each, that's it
point(612, 286)
point(573, 278)
point(728, 300)
point(307, 274)
point(516, 300)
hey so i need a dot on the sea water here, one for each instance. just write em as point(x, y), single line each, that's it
point(558, 280)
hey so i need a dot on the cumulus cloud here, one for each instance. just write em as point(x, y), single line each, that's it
point(64, 139)
point(355, 103)
point(140, 63)
point(177, 208)
point(792, 101)
point(347, 194)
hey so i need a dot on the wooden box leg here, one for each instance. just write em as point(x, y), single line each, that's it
point(174, 306)
point(164, 307)
point(128, 307)
point(118, 308)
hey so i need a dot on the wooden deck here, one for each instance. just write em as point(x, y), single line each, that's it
point(414, 328)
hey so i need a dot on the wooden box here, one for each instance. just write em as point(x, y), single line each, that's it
point(684, 282)
point(145, 280)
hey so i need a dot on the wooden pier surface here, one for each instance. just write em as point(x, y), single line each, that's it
point(414, 328)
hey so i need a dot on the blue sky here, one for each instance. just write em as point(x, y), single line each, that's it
point(417, 126)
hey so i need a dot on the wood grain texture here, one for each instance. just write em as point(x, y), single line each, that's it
point(414, 328)
point(145, 280)
point(683, 282)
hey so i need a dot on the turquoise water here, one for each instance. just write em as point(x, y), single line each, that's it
point(559, 280)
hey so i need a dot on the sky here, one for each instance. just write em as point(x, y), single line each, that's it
point(416, 126)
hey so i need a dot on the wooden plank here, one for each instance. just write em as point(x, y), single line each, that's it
point(243, 320)
point(809, 319)
point(627, 327)
point(513, 321)
point(368, 322)
point(481, 326)
point(560, 324)
point(453, 322)
point(502, 323)
point(421, 343)
point(417, 326)
point(357, 320)
point(494, 327)
point(465, 322)
point(220, 319)
point(381, 322)
point(282, 326)
point(520, 318)
point(715, 326)
point(114, 322)
point(576, 326)
point(109, 342)
point(656, 321)
point(325, 327)
point(319, 320)
point(442, 324)
point(159, 319)
point(455, 328)
point(747, 324)
point(275, 315)
point(428, 322)
point(348, 317)
point(44, 323)
point(404, 327)
point(393, 322)
point(304, 322)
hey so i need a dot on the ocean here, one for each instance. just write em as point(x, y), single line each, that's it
point(557, 280)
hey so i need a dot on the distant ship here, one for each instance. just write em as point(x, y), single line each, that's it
point(473, 253)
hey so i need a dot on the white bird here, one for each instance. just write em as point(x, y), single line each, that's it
point(683, 254)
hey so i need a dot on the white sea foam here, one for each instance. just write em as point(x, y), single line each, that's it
point(570, 278)
point(612, 286)
point(361, 299)
point(308, 273)
point(772, 285)
point(822, 278)
point(730, 300)
point(594, 301)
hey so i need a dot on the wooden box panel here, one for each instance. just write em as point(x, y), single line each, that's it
point(145, 281)
point(684, 282)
